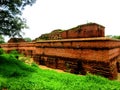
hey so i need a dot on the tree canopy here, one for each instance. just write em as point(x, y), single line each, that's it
point(2, 40)
point(11, 22)
point(114, 36)
point(27, 39)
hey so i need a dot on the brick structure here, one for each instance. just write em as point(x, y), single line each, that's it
point(16, 40)
point(82, 31)
point(78, 51)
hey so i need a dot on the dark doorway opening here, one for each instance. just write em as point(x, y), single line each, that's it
point(42, 61)
point(118, 66)
point(80, 68)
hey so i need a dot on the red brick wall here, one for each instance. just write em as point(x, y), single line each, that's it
point(94, 55)
point(81, 31)
point(84, 31)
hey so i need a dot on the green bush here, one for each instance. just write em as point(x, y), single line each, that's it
point(11, 67)
point(14, 52)
point(1, 51)
point(3, 82)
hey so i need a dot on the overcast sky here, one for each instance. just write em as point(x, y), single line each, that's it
point(47, 15)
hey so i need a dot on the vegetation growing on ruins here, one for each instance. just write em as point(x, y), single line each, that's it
point(27, 39)
point(46, 36)
point(16, 75)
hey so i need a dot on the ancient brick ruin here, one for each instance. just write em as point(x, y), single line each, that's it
point(79, 50)
point(82, 31)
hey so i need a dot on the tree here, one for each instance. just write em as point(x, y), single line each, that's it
point(2, 40)
point(114, 36)
point(11, 22)
point(27, 39)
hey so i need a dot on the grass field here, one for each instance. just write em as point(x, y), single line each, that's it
point(16, 75)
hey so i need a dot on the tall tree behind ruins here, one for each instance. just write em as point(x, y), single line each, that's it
point(11, 22)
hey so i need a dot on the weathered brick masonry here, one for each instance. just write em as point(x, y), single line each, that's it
point(81, 31)
point(76, 52)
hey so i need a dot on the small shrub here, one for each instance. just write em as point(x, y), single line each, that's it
point(11, 67)
point(1, 51)
point(3, 83)
point(14, 52)
point(34, 65)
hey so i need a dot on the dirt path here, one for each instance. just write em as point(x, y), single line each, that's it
point(118, 77)
point(44, 67)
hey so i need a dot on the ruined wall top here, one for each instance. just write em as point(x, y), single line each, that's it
point(88, 30)
point(16, 40)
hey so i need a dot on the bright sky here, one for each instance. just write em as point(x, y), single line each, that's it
point(47, 15)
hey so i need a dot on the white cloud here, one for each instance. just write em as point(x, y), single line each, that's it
point(47, 15)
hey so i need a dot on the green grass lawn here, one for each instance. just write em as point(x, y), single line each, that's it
point(16, 75)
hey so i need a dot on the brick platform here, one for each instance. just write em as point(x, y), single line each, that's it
point(75, 54)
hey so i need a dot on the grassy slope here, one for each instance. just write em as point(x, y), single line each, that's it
point(15, 75)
